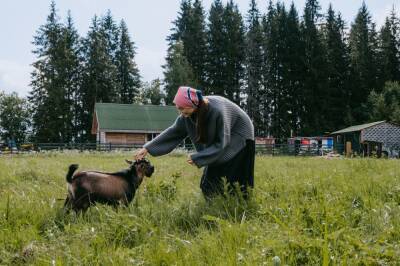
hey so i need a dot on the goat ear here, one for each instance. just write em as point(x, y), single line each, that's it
point(129, 162)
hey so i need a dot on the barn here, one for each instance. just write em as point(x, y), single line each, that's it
point(130, 124)
point(367, 139)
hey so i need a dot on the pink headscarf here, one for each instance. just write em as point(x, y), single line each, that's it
point(187, 97)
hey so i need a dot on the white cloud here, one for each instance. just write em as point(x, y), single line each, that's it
point(14, 76)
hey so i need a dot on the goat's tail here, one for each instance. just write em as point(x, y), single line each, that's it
point(71, 170)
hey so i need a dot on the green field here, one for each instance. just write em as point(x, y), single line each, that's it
point(304, 211)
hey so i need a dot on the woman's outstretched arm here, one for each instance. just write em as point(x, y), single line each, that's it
point(168, 139)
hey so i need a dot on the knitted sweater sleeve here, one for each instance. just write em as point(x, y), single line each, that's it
point(213, 152)
point(168, 139)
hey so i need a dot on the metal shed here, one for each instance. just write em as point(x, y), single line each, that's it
point(372, 138)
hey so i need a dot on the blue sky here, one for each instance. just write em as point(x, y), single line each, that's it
point(149, 22)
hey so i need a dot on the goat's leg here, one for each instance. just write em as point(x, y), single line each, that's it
point(82, 203)
point(67, 205)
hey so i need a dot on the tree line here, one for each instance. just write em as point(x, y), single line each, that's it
point(293, 74)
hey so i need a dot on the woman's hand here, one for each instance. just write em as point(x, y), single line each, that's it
point(140, 154)
point(190, 161)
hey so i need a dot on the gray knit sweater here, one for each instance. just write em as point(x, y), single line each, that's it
point(228, 129)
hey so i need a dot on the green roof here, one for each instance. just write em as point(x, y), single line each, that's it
point(356, 128)
point(133, 117)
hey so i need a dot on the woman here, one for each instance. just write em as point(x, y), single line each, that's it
point(222, 134)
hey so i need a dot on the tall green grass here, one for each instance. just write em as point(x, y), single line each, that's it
point(303, 211)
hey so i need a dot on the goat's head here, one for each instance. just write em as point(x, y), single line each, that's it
point(142, 167)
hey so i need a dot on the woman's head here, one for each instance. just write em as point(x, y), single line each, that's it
point(188, 100)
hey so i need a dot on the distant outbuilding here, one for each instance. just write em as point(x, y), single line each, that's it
point(130, 123)
point(367, 139)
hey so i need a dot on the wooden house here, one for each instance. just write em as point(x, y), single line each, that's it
point(130, 123)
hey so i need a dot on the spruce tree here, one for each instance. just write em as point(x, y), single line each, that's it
point(181, 23)
point(111, 33)
point(99, 76)
point(338, 72)
point(268, 66)
point(71, 76)
point(177, 72)
point(195, 44)
point(389, 50)
point(216, 55)
point(294, 80)
point(234, 33)
point(254, 89)
point(48, 88)
point(273, 75)
point(128, 77)
point(313, 121)
point(282, 70)
point(364, 66)
point(189, 28)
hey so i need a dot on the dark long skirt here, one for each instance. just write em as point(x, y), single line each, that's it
point(240, 169)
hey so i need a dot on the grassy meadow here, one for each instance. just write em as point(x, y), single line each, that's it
point(303, 211)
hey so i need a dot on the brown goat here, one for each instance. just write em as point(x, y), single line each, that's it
point(85, 188)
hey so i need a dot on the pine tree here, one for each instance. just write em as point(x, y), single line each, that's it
point(71, 76)
point(254, 89)
point(128, 77)
point(294, 71)
point(181, 23)
point(48, 91)
point(313, 120)
point(189, 28)
point(389, 50)
point(99, 76)
point(268, 66)
point(216, 55)
point(364, 66)
point(338, 72)
point(111, 32)
point(195, 44)
point(234, 34)
point(282, 70)
point(273, 75)
point(177, 72)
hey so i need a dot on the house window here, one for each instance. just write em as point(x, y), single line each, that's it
point(151, 136)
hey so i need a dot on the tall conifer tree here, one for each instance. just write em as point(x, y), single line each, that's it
point(177, 72)
point(189, 28)
point(128, 77)
point(99, 76)
point(389, 50)
point(363, 62)
point(313, 121)
point(338, 72)
point(195, 44)
point(294, 73)
point(111, 33)
point(48, 83)
point(235, 55)
point(216, 55)
point(254, 89)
